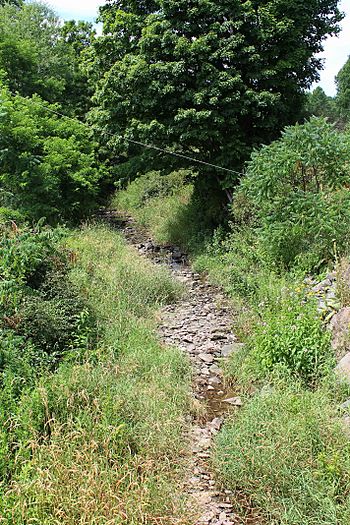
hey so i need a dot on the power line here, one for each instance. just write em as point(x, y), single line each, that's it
point(148, 146)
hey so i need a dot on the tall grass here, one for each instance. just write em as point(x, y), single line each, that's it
point(285, 454)
point(288, 452)
point(102, 440)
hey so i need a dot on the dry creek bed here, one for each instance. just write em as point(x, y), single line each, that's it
point(200, 325)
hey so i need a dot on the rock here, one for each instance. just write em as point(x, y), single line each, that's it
point(206, 518)
point(346, 425)
point(207, 358)
point(342, 369)
point(217, 336)
point(216, 423)
point(235, 401)
point(322, 286)
point(214, 369)
point(345, 405)
point(215, 380)
point(340, 326)
point(228, 350)
point(203, 498)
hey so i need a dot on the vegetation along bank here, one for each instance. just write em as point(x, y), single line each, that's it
point(192, 127)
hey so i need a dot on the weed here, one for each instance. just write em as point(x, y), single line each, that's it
point(288, 451)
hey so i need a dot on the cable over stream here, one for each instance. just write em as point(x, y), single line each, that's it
point(200, 325)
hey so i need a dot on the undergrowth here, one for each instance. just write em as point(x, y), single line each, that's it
point(285, 454)
point(288, 451)
point(99, 439)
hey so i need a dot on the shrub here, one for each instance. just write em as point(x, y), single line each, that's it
point(47, 164)
point(298, 188)
point(291, 336)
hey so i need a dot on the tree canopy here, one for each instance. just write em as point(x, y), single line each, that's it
point(343, 91)
point(214, 79)
point(39, 55)
point(321, 105)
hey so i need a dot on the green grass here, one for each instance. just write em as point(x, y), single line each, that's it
point(285, 454)
point(167, 207)
point(102, 439)
point(288, 453)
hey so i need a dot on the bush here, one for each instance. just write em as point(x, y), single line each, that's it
point(292, 337)
point(43, 313)
point(298, 189)
point(47, 163)
point(288, 454)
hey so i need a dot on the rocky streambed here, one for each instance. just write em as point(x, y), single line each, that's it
point(200, 325)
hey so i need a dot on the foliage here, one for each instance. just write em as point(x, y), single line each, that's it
point(17, 3)
point(46, 163)
point(110, 420)
point(318, 104)
point(298, 188)
point(291, 336)
point(210, 78)
point(38, 56)
point(40, 308)
point(343, 91)
point(169, 207)
point(287, 452)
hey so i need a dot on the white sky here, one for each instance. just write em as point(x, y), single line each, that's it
point(337, 49)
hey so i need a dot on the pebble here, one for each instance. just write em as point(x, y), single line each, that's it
point(201, 326)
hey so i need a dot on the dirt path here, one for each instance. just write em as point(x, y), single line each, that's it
point(201, 326)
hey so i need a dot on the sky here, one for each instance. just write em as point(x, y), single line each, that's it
point(337, 49)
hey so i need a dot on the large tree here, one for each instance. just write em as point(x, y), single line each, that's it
point(40, 55)
point(319, 104)
point(343, 91)
point(211, 77)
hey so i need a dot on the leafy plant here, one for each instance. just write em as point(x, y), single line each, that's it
point(292, 337)
point(298, 189)
point(47, 163)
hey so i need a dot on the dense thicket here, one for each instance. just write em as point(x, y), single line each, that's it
point(211, 78)
point(47, 164)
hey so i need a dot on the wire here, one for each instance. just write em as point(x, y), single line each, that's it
point(149, 146)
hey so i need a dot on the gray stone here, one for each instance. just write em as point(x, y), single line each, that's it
point(228, 350)
point(207, 358)
point(234, 401)
point(345, 405)
point(340, 326)
point(342, 369)
point(322, 286)
point(214, 369)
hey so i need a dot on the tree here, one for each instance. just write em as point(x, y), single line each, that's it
point(320, 105)
point(343, 91)
point(47, 164)
point(78, 38)
point(17, 3)
point(38, 55)
point(207, 77)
